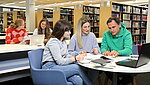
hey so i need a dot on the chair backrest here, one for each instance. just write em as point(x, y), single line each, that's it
point(44, 76)
point(35, 58)
point(135, 49)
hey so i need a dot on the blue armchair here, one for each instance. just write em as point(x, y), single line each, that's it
point(44, 76)
point(135, 49)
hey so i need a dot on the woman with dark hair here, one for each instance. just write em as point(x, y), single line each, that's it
point(43, 29)
point(56, 55)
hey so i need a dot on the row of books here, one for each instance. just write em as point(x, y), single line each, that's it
point(92, 10)
point(126, 16)
point(139, 31)
point(135, 24)
point(139, 39)
point(129, 9)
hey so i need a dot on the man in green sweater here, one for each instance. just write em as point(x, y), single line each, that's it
point(117, 40)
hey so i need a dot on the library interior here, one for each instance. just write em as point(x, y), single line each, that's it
point(15, 67)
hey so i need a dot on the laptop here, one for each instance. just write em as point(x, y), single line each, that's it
point(144, 58)
point(37, 40)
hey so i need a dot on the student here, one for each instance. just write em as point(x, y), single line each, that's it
point(83, 40)
point(56, 55)
point(117, 41)
point(44, 28)
point(17, 34)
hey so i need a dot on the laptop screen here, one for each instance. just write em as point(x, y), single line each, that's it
point(144, 56)
point(37, 40)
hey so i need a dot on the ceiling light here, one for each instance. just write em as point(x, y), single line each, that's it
point(22, 2)
point(9, 3)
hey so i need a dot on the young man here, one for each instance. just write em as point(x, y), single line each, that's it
point(117, 41)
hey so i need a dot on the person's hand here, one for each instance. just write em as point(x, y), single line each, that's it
point(80, 57)
point(106, 53)
point(83, 52)
point(27, 41)
point(20, 38)
point(114, 53)
point(45, 40)
point(95, 51)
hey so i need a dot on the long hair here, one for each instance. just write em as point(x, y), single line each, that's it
point(47, 29)
point(79, 31)
point(59, 29)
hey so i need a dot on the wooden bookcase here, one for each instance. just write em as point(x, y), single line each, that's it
point(11, 16)
point(1, 22)
point(67, 14)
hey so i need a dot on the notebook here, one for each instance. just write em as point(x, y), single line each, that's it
point(144, 58)
point(37, 40)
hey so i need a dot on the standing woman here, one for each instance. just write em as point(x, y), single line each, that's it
point(43, 29)
point(56, 55)
point(17, 34)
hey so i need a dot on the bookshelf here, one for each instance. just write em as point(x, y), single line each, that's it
point(8, 18)
point(48, 14)
point(1, 21)
point(92, 13)
point(135, 19)
point(67, 14)
point(11, 16)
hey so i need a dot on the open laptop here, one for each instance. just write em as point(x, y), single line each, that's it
point(144, 58)
point(37, 40)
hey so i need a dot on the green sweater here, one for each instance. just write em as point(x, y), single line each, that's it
point(121, 43)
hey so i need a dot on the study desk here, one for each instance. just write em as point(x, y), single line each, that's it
point(112, 67)
point(14, 61)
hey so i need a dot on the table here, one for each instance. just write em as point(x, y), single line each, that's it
point(14, 61)
point(112, 67)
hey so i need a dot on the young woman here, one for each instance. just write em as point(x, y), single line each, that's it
point(43, 29)
point(84, 40)
point(17, 34)
point(56, 55)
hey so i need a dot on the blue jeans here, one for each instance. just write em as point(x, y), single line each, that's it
point(70, 70)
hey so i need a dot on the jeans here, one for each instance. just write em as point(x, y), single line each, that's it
point(70, 71)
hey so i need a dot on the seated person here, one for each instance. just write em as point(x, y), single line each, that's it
point(17, 34)
point(56, 56)
point(44, 28)
point(85, 41)
point(117, 41)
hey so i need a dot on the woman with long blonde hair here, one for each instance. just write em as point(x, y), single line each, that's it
point(84, 40)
